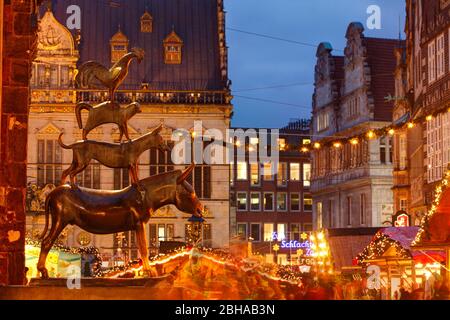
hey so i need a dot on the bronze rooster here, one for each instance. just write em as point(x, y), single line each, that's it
point(91, 73)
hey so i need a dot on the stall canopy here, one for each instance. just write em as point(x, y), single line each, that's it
point(345, 244)
point(395, 242)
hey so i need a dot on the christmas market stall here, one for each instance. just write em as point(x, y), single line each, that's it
point(392, 264)
point(434, 233)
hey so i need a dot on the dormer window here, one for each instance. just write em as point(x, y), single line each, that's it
point(173, 49)
point(119, 46)
point(146, 23)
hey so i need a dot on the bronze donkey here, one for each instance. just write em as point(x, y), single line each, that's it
point(112, 155)
point(106, 112)
point(108, 212)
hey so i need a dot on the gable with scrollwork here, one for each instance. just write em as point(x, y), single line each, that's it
point(54, 39)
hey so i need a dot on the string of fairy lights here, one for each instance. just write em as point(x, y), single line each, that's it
point(371, 134)
point(424, 232)
point(378, 246)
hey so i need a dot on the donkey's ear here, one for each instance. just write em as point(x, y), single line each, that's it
point(185, 174)
point(158, 129)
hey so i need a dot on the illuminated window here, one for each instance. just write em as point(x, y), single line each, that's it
point(268, 201)
point(282, 174)
point(255, 201)
point(294, 171)
point(281, 201)
point(119, 46)
point(254, 174)
point(281, 231)
point(173, 49)
point(307, 174)
point(146, 23)
point(268, 174)
point(306, 141)
point(282, 144)
point(295, 202)
point(241, 171)
point(268, 232)
point(241, 201)
point(307, 202)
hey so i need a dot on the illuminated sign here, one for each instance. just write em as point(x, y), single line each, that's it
point(401, 219)
point(305, 246)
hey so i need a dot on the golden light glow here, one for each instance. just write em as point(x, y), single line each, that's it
point(370, 134)
point(317, 145)
point(304, 149)
point(429, 118)
point(337, 144)
point(410, 125)
point(391, 132)
point(354, 141)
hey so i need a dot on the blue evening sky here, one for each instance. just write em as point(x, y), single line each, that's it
point(256, 62)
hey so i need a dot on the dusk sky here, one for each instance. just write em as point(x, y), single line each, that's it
point(256, 62)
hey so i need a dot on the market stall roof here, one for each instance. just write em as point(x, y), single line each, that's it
point(346, 243)
point(395, 242)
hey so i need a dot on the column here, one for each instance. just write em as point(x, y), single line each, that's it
point(18, 37)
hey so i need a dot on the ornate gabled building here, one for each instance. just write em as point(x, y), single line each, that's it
point(423, 151)
point(352, 180)
point(183, 78)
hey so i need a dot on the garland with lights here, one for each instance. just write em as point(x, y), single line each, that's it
point(96, 265)
point(380, 243)
point(424, 233)
point(372, 133)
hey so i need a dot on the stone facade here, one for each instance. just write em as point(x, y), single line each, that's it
point(351, 182)
point(17, 47)
point(424, 150)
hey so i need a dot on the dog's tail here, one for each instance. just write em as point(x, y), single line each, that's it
point(81, 106)
point(61, 143)
point(47, 213)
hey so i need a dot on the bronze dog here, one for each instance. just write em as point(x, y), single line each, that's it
point(107, 212)
point(106, 112)
point(112, 155)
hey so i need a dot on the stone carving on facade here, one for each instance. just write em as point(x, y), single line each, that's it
point(54, 38)
point(354, 49)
